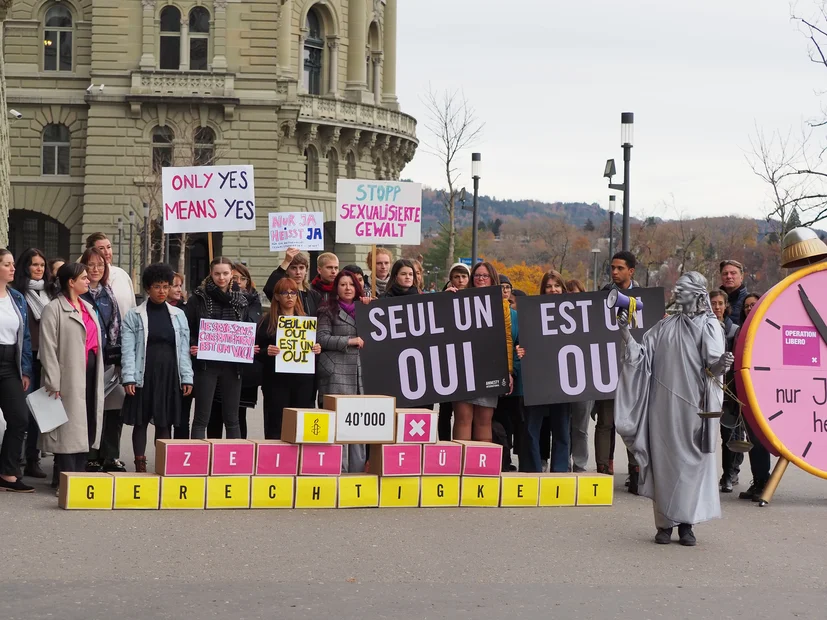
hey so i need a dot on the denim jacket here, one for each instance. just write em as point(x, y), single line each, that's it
point(24, 338)
point(134, 335)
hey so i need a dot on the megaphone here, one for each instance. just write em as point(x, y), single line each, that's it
point(616, 299)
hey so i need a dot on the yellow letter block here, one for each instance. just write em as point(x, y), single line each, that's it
point(86, 491)
point(558, 490)
point(272, 492)
point(315, 492)
point(358, 491)
point(480, 491)
point(134, 491)
point(439, 491)
point(399, 492)
point(519, 490)
point(228, 492)
point(595, 490)
point(180, 493)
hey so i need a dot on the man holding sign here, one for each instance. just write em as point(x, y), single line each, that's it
point(287, 349)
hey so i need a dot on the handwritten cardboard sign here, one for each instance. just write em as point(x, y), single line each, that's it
point(295, 336)
point(208, 199)
point(382, 212)
point(226, 341)
point(301, 230)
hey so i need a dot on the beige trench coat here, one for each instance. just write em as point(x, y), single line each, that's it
point(62, 353)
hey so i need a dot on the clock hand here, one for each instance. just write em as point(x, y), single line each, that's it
point(815, 317)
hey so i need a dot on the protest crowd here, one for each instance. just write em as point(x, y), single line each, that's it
point(74, 329)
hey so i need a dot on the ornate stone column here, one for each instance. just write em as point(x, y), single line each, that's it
point(147, 62)
point(300, 65)
point(333, 46)
point(285, 50)
point(389, 77)
point(184, 64)
point(376, 67)
point(219, 25)
point(356, 36)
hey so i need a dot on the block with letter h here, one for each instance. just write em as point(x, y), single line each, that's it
point(232, 457)
point(480, 458)
point(416, 426)
point(396, 459)
point(182, 457)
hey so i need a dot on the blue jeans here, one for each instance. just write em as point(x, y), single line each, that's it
point(560, 417)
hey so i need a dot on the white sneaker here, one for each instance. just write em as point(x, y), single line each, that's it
point(544, 466)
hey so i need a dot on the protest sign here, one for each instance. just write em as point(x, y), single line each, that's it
point(208, 199)
point(301, 230)
point(226, 341)
point(295, 336)
point(425, 349)
point(383, 212)
point(572, 344)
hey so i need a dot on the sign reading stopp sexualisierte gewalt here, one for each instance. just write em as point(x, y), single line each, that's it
point(381, 212)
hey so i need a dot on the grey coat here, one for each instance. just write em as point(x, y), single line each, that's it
point(338, 369)
point(63, 355)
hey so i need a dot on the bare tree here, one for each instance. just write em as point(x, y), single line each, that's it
point(453, 127)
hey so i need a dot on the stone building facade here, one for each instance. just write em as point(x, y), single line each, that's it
point(112, 90)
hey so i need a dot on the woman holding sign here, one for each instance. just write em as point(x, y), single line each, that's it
point(339, 370)
point(473, 417)
point(281, 389)
point(219, 299)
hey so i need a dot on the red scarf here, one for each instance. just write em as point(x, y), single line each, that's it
point(319, 285)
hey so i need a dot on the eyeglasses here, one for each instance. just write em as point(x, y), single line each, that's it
point(289, 294)
point(94, 266)
point(481, 276)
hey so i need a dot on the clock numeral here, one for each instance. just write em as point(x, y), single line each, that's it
point(775, 325)
point(807, 449)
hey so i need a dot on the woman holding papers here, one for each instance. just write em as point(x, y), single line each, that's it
point(280, 389)
point(156, 365)
point(72, 358)
point(15, 374)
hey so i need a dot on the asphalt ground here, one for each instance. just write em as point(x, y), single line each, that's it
point(414, 563)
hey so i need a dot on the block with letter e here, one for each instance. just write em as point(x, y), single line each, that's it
point(595, 490)
point(308, 426)
point(320, 460)
point(363, 418)
point(396, 459)
point(558, 489)
point(182, 457)
point(134, 491)
point(439, 492)
point(401, 492)
point(272, 491)
point(519, 490)
point(228, 492)
point(316, 492)
point(358, 491)
point(480, 458)
point(443, 458)
point(86, 491)
point(182, 493)
point(480, 491)
point(276, 458)
point(416, 426)
point(232, 457)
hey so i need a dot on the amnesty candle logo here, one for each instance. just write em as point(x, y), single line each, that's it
point(316, 427)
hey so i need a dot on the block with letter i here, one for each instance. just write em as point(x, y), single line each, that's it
point(86, 491)
point(480, 458)
point(182, 457)
point(308, 426)
point(358, 491)
point(519, 490)
point(272, 491)
point(439, 492)
point(228, 492)
point(320, 460)
point(480, 491)
point(595, 490)
point(183, 493)
point(396, 459)
point(399, 492)
point(232, 457)
point(134, 491)
point(416, 426)
point(558, 489)
point(276, 458)
point(316, 492)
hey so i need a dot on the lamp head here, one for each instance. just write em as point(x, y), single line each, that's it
point(476, 165)
point(612, 203)
point(627, 128)
point(609, 170)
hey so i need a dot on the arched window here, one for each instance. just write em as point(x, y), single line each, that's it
point(55, 149)
point(36, 230)
point(199, 38)
point(332, 170)
point(204, 147)
point(57, 39)
point(162, 138)
point(170, 50)
point(313, 54)
point(311, 169)
point(351, 165)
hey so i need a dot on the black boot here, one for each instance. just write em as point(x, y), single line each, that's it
point(753, 493)
point(664, 536)
point(33, 469)
point(634, 480)
point(687, 537)
point(726, 484)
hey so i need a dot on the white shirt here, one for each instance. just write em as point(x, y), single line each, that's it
point(9, 321)
point(121, 285)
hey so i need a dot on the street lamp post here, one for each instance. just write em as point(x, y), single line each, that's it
point(611, 228)
point(627, 132)
point(595, 253)
point(476, 170)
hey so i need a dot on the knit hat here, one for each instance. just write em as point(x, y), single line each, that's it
point(504, 279)
point(461, 266)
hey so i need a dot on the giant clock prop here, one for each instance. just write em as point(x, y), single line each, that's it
point(781, 373)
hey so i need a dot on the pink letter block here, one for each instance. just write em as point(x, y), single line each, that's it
point(320, 459)
point(401, 459)
point(277, 458)
point(416, 426)
point(481, 458)
point(232, 457)
point(442, 459)
point(182, 457)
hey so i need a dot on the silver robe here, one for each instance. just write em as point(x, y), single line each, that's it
point(661, 389)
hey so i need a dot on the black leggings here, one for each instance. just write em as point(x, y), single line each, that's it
point(282, 390)
point(206, 379)
point(15, 410)
point(139, 434)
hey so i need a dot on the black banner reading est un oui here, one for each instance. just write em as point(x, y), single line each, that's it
point(572, 344)
point(438, 347)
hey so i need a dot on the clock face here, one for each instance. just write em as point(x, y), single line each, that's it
point(783, 369)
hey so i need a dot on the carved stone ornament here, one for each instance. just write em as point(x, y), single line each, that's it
point(149, 5)
point(288, 128)
point(308, 135)
point(332, 137)
point(220, 4)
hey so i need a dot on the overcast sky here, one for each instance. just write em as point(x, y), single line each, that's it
point(550, 78)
